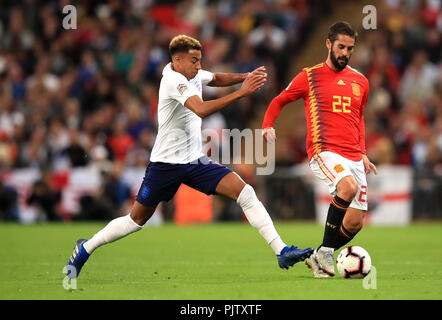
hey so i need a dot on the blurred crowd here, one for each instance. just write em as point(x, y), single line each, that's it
point(402, 60)
point(88, 96)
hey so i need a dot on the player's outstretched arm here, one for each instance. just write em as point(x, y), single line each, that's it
point(229, 79)
point(298, 88)
point(275, 106)
point(252, 83)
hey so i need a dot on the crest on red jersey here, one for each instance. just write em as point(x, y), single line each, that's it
point(356, 89)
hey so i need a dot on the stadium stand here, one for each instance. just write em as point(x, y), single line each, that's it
point(87, 97)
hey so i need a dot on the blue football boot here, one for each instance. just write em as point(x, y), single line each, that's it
point(291, 255)
point(77, 260)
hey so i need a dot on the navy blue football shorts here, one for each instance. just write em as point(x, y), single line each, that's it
point(162, 180)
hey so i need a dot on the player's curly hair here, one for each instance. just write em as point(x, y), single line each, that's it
point(341, 27)
point(183, 43)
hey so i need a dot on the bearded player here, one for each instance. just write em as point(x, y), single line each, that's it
point(177, 155)
point(334, 96)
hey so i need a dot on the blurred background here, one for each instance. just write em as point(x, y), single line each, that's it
point(78, 107)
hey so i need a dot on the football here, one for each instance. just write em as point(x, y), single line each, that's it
point(353, 262)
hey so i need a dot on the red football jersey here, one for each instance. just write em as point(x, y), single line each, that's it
point(334, 107)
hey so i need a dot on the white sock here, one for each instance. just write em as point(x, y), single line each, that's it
point(116, 229)
point(259, 218)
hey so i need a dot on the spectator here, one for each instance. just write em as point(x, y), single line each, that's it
point(115, 191)
point(8, 203)
point(36, 152)
point(74, 151)
point(45, 199)
point(419, 79)
point(136, 122)
point(58, 136)
point(120, 140)
point(139, 154)
point(383, 73)
point(267, 39)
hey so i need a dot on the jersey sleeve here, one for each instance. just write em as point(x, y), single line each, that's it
point(205, 76)
point(179, 89)
point(298, 88)
point(362, 120)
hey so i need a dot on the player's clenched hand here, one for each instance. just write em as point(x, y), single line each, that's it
point(269, 134)
point(253, 82)
point(368, 165)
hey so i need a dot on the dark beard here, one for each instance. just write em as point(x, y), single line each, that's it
point(339, 66)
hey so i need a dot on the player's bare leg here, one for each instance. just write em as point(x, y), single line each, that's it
point(140, 213)
point(353, 220)
point(236, 189)
point(347, 188)
point(231, 186)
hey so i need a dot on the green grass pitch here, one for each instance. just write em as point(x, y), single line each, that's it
point(216, 261)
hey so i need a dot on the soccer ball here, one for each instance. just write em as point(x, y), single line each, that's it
point(353, 262)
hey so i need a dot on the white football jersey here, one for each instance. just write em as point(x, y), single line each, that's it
point(179, 129)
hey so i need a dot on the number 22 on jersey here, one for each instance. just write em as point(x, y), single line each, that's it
point(341, 104)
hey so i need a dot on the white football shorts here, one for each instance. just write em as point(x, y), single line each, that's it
point(331, 167)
